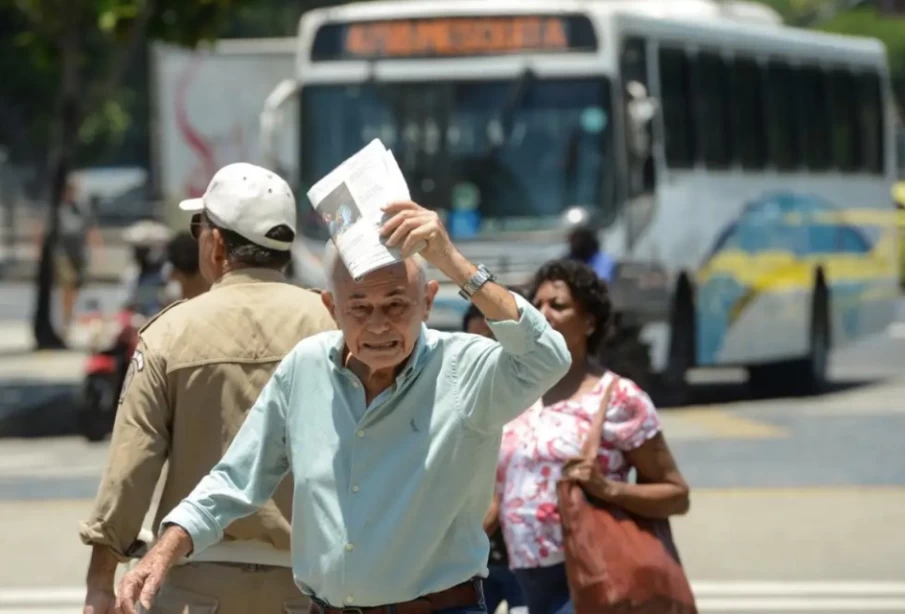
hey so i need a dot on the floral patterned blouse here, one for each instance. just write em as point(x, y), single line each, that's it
point(535, 446)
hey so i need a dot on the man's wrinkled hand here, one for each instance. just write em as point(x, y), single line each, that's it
point(414, 229)
point(141, 583)
point(99, 601)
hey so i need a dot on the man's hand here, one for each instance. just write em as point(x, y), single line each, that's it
point(144, 580)
point(142, 583)
point(100, 598)
point(99, 601)
point(413, 229)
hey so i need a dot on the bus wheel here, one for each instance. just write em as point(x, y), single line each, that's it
point(672, 387)
point(804, 376)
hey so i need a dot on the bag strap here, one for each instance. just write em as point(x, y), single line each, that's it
point(592, 441)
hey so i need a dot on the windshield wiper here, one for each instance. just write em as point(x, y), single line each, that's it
point(515, 96)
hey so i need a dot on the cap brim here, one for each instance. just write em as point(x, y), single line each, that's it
point(192, 204)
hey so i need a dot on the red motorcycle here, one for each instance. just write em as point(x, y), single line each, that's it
point(112, 341)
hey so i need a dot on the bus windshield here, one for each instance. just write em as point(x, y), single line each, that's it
point(490, 156)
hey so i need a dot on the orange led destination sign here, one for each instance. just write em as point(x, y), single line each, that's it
point(454, 36)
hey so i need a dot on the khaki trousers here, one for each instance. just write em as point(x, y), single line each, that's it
point(219, 588)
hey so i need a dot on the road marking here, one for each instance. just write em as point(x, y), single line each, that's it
point(711, 597)
point(798, 491)
point(767, 604)
point(724, 425)
point(896, 330)
point(778, 589)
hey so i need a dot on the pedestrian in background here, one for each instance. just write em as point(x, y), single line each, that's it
point(585, 247)
point(391, 432)
point(545, 442)
point(182, 256)
point(198, 369)
point(77, 229)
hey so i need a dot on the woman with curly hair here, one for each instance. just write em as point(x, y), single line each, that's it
point(538, 444)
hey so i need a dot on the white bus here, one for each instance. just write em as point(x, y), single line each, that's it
point(738, 170)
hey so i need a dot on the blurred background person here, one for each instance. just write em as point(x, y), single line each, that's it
point(535, 446)
point(77, 229)
point(585, 247)
point(501, 584)
point(182, 256)
point(146, 279)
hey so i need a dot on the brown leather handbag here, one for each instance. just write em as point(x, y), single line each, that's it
point(616, 561)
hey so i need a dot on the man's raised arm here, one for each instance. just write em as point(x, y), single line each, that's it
point(496, 381)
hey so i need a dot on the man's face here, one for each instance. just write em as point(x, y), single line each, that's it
point(381, 316)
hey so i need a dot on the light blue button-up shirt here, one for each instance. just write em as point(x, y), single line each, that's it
point(390, 497)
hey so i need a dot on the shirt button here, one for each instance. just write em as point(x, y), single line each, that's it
point(350, 599)
point(355, 488)
point(349, 547)
point(361, 433)
point(355, 383)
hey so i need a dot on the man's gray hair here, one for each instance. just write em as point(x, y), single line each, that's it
point(331, 260)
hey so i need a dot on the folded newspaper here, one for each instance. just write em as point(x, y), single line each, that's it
point(350, 199)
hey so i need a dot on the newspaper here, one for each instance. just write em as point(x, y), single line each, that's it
point(349, 200)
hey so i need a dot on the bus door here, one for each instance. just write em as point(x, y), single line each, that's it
point(638, 110)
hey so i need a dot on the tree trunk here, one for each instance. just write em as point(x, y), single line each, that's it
point(61, 159)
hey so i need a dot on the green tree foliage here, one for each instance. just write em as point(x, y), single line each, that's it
point(865, 20)
point(889, 30)
point(69, 59)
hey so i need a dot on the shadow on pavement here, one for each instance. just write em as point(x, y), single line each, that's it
point(721, 393)
point(30, 408)
point(33, 409)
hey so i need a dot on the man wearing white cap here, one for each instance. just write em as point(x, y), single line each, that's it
point(199, 367)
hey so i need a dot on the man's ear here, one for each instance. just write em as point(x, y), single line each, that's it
point(219, 245)
point(430, 293)
point(329, 303)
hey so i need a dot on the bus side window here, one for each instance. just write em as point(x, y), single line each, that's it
point(843, 103)
point(783, 130)
point(814, 118)
point(746, 84)
point(711, 102)
point(871, 122)
point(676, 102)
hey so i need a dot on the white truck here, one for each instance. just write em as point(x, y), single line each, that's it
point(207, 110)
point(209, 105)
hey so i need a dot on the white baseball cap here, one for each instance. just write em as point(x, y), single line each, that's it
point(250, 201)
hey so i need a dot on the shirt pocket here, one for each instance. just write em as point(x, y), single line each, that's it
point(176, 600)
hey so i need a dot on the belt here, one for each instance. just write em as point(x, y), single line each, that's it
point(459, 596)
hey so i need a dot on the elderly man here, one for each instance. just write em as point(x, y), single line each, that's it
point(391, 431)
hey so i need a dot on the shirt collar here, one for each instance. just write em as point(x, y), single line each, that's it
point(249, 275)
point(412, 365)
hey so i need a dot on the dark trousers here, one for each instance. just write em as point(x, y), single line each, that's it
point(501, 586)
point(546, 589)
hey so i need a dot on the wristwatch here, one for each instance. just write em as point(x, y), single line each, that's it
point(481, 277)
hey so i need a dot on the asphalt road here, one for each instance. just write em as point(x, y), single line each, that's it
point(797, 503)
